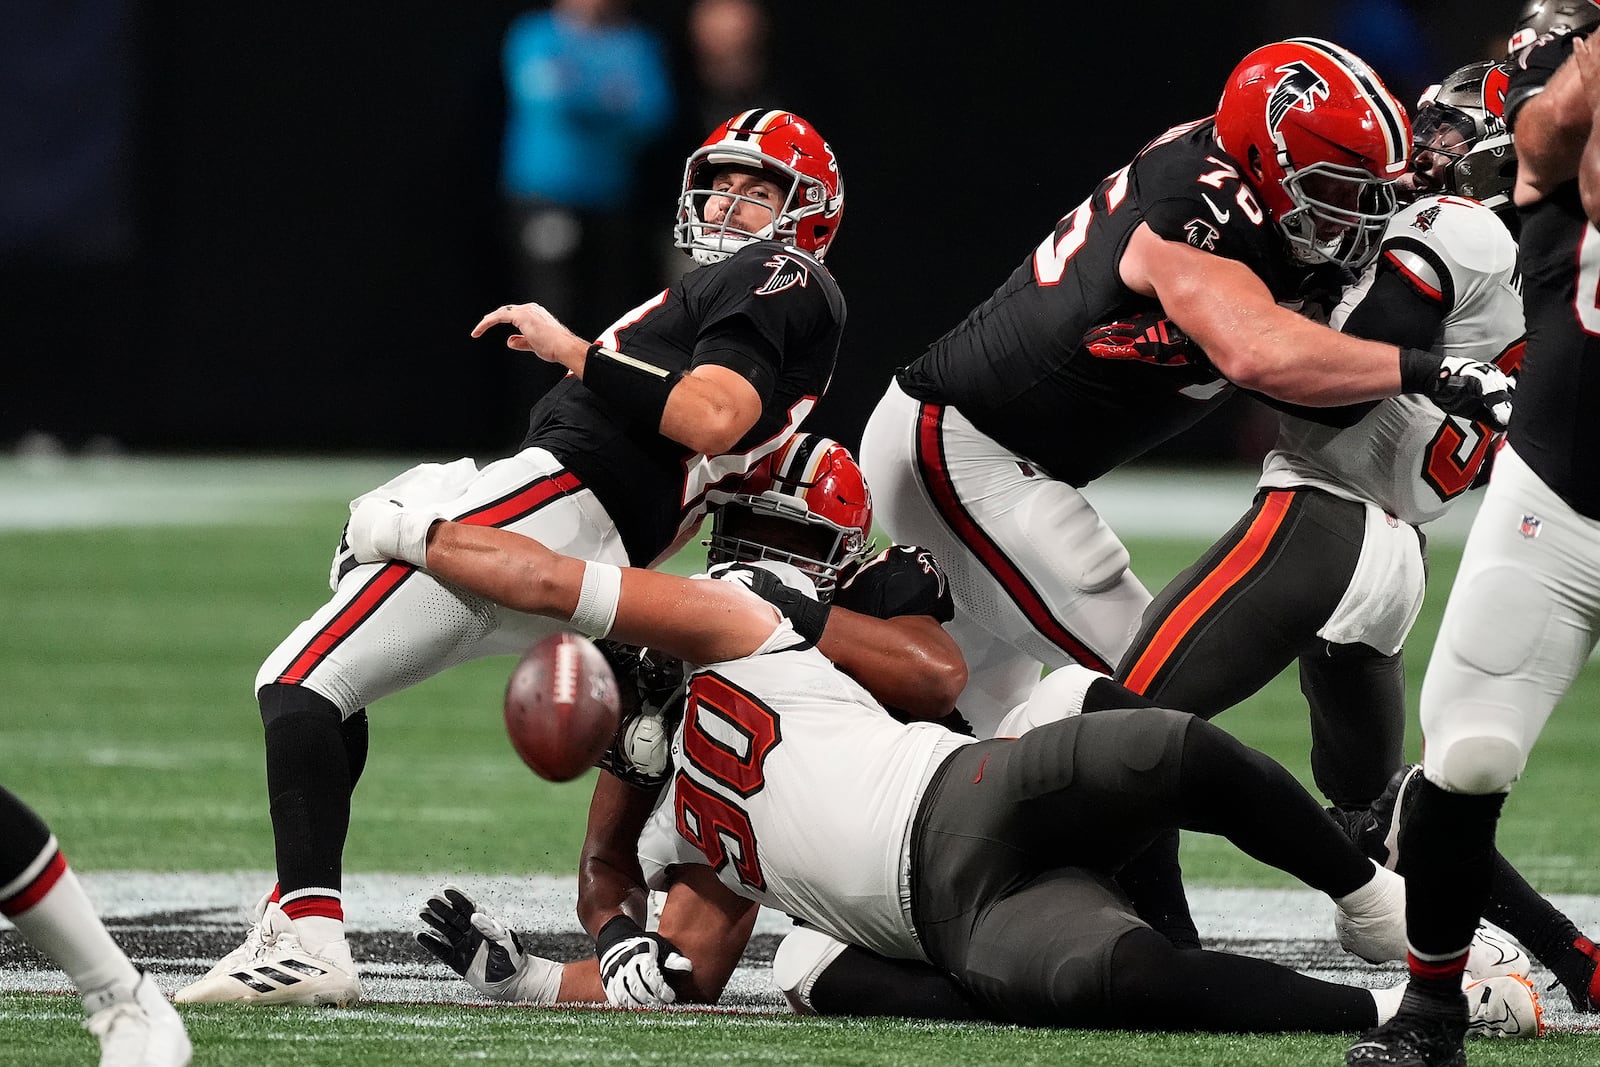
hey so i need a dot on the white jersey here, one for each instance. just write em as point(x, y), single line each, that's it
point(1407, 456)
point(799, 790)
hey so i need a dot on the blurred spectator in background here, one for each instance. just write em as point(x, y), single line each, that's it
point(587, 90)
point(728, 60)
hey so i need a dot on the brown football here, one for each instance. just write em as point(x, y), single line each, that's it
point(561, 706)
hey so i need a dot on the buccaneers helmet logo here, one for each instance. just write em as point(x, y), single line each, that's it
point(1301, 87)
point(787, 272)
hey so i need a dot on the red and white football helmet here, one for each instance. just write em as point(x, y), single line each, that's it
point(1480, 158)
point(1540, 17)
point(1321, 141)
point(813, 484)
point(792, 150)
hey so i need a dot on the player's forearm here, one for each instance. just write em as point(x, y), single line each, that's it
point(1294, 359)
point(709, 414)
point(607, 889)
point(908, 663)
point(508, 568)
point(580, 983)
point(1589, 171)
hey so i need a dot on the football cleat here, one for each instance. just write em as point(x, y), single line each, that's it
point(1371, 922)
point(1494, 954)
point(1504, 1006)
point(1583, 987)
point(272, 967)
point(136, 1026)
point(1428, 1031)
point(802, 956)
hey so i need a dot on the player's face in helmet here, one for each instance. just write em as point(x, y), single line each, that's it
point(743, 200)
point(1431, 159)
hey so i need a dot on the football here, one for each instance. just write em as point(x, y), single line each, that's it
point(562, 706)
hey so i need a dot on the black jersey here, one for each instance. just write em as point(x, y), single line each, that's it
point(1017, 366)
point(1559, 388)
point(652, 487)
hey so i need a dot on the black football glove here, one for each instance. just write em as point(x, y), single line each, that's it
point(900, 580)
point(474, 944)
point(634, 965)
point(1459, 386)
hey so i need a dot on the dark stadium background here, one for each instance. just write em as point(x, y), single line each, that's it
point(269, 227)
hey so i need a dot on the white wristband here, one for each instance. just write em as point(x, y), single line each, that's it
point(596, 612)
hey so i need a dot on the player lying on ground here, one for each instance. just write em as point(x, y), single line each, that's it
point(988, 859)
point(40, 894)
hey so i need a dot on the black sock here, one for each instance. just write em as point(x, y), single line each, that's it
point(1249, 798)
point(308, 781)
point(1155, 986)
point(1447, 840)
point(23, 836)
point(354, 732)
point(859, 982)
point(1153, 881)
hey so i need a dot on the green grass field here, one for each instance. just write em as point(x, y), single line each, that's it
point(128, 722)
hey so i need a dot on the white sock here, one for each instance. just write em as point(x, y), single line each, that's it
point(1388, 1001)
point(64, 926)
point(1370, 896)
point(317, 931)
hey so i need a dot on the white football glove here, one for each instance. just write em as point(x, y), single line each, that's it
point(382, 529)
point(633, 965)
point(479, 948)
point(1459, 386)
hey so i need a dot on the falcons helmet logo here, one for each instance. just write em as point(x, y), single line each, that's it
point(1301, 87)
point(787, 272)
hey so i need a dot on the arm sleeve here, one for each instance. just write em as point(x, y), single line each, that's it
point(1397, 309)
point(736, 344)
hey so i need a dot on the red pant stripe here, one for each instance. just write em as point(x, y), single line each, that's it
point(1189, 611)
point(935, 474)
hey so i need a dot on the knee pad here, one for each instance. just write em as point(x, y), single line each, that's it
point(801, 958)
point(277, 700)
point(1474, 763)
point(1066, 530)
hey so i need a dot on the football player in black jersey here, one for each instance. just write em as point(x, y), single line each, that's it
point(809, 506)
point(981, 445)
point(1522, 615)
point(686, 391)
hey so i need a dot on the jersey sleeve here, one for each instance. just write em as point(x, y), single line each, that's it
point(1533, 71)
point(1211, 223)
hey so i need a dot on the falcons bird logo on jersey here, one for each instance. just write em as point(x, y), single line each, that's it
point(1301, 87)
point(787, 272)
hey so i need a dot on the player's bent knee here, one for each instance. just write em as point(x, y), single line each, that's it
point(277, 700)
point(1474, 764)
point(801, 958)
point(1057, 516)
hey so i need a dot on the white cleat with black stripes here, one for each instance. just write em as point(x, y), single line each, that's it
point(272, 967)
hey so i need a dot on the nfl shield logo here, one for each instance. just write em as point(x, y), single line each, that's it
point(1529, 526)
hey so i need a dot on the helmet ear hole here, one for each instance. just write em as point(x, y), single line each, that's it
point(1254, 163)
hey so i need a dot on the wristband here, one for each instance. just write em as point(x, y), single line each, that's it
point(637, 389)
point(596, 612)
point(1419, 370)
point(617, 929)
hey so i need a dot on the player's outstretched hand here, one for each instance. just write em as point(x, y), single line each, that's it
point(634, 965)
point(537, 330)
point(474, 944)
point(1459, 386)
